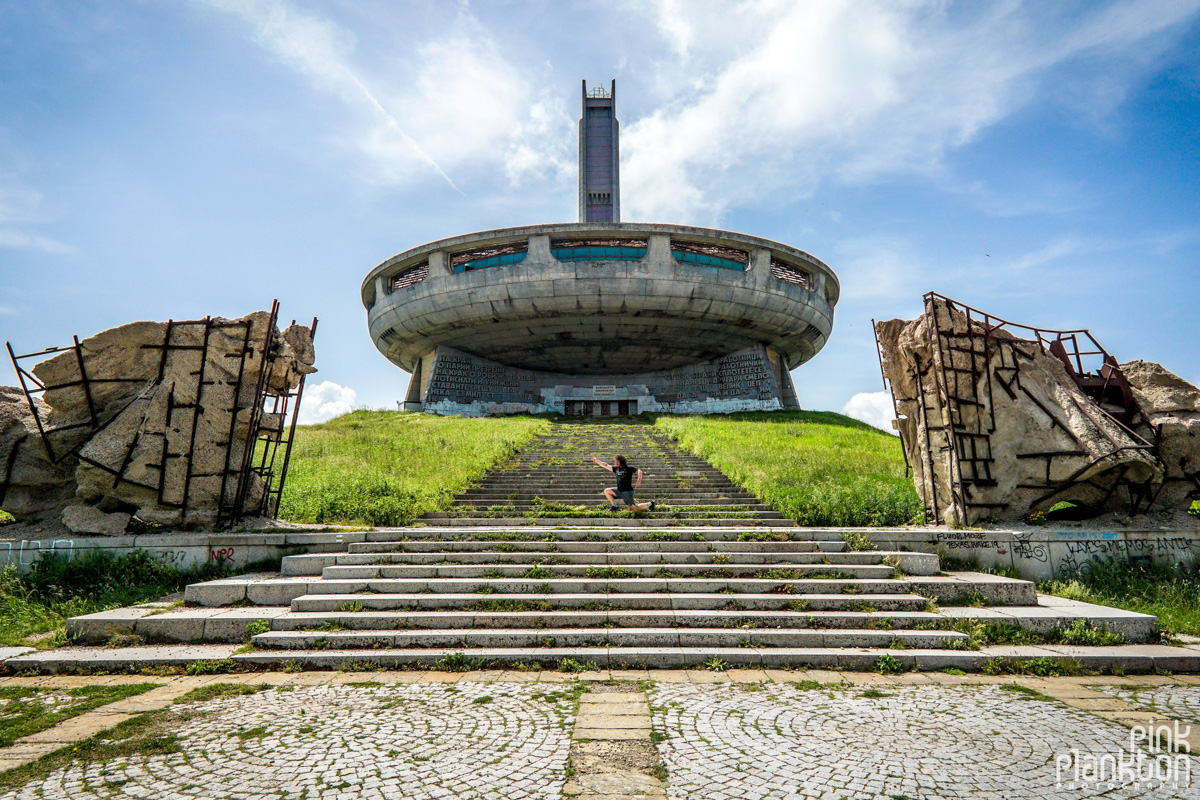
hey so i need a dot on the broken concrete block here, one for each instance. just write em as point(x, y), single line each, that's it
point(89, 519)
point(152, 416)
point(995, 426)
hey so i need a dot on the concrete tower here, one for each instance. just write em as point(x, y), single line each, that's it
point(599, 157)
point(600, 317)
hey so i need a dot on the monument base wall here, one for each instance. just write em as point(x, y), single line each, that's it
point(454, 382)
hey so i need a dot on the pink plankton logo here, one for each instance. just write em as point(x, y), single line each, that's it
point(1158, 756)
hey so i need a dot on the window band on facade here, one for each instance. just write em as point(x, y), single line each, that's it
point(487, 257)
point(598, 249)
point(710, 255)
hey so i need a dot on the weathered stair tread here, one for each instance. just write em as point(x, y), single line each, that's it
point(629, 600)
point(498, 571)
point(606, 637)
point(646, 521)
point(1129, 658)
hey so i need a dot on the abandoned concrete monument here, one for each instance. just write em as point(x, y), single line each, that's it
point(183, 423)
point(600, 317)
point(999, 420)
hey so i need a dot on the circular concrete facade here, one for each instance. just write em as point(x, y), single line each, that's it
point(600, 298)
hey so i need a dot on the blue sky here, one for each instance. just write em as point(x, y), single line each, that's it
point(176, 159)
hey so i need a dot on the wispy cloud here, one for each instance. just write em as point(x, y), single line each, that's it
point(853, 89)
point(19, 212)
point(456, 102)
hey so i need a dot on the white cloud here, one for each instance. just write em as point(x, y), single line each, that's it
point(19, 209)
point(853, 88)
point(23, 240)
point(324, 401)
point(455, 101)
point(873, 408)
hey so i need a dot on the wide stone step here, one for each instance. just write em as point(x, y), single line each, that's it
point(645, 521)
point(627, 618)
point(591, 502)
point(604, 637)
point(552, 572)
point(313, 564)
point(636, 543)
point(601, 512)
point(540, 482)
point(1140, 659)
point(1136, 659)
point(599, 585)
point(964, 588)
point(672, 496)
point(600, 601)
point(189, 624)
point(537, 484)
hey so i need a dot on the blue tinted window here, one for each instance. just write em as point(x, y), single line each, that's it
point(599, 253)
point(494, 261)
point(707, 261)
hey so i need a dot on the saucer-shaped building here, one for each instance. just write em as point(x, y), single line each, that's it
point(600, 317)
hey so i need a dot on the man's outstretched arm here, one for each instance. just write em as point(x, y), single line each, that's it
point(603, 464)
point(639, 483)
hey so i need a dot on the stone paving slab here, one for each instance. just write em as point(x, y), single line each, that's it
point(119, 658)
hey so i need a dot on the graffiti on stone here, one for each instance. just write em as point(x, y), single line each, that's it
point(1024, 547)
point(966, 540)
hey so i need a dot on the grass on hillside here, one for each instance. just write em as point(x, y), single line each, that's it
point(1170, 593)
point(819, 468)
point(386, 468)
point(40, 601)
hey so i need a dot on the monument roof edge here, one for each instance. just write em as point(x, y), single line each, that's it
point(500, 235)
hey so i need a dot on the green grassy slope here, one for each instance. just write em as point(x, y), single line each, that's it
point(817, 467)
point(388, 467)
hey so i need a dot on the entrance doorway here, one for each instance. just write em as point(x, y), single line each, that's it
point(596, 408)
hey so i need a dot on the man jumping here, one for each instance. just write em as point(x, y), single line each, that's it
point(625, 485)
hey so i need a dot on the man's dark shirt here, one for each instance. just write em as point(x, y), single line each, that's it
point(624, 478)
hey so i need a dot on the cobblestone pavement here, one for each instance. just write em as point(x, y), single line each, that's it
point(746, 735)
point(1177, 702)
point(325, 742)
point(778, 741)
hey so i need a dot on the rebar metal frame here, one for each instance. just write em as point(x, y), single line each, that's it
point(230, 511)
point(963, 393)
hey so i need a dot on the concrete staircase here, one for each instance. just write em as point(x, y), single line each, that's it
point(613, 590)
point(553, 482)
point(609, 597)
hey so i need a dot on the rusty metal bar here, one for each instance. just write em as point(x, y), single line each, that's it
point(222, 505)
point(197, 410)
point(287, 453)
point(8, 467)
point(941, 384)
point(29, 399)
point(87, 391)
point(255, 415)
